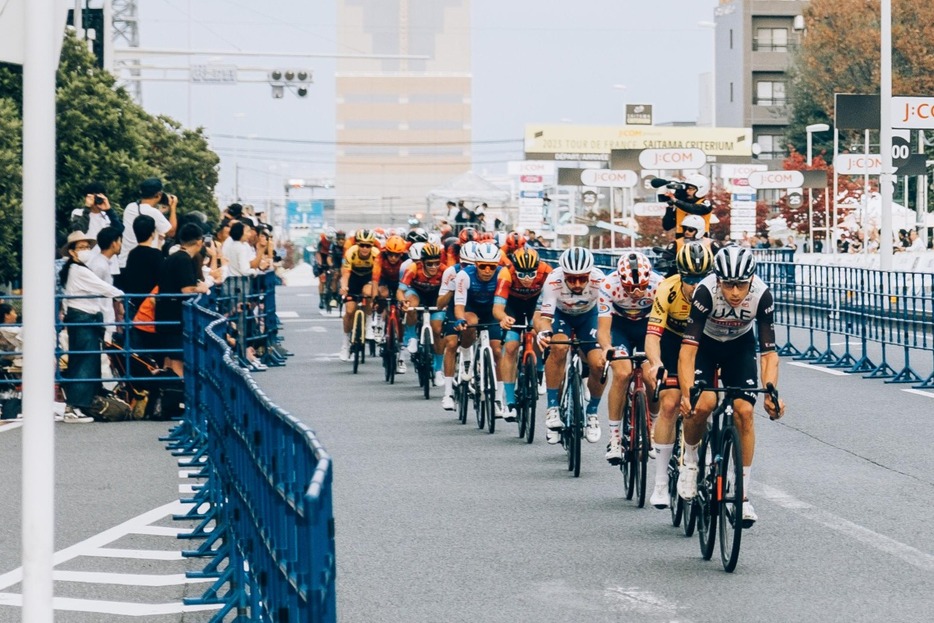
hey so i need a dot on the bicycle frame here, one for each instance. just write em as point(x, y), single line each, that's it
point(481, 349)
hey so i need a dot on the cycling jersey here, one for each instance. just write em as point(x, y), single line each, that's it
point(615, 300)
point(712, 316)
point(362, 267)
point(671, 308)
point(415, 278)
point(473, 293)
point(389, 273)
point(556, 296)
point(526, 293)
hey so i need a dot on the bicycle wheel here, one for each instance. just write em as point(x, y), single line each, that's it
point(530, 392)
point(521, 413)
point(705, 501)
point(628, 465)
point(577, 424)
point(389, 353)
point(463, 401)
point(478, 407)
point(489, 391)
point(731, 498)
point(424, 368)
point(675, 503)
point(640, 448)
point(356, 339)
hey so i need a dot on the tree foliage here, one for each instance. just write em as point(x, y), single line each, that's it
point(102, 135)
point(840, 53)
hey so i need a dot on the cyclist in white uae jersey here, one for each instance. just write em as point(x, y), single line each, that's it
point(569, 307)
point(719, 335)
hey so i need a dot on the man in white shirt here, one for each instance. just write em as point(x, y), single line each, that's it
point(152, 194)
point(914, 241)
point(96, 213)
point(109, 242)
point(239, 254)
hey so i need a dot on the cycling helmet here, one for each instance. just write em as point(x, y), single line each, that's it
point(364, 236)
point(525, 259)
point(698, 181)
point(340, 234)
point(734, 264)
point(415, 251)
point(430, 251)
point(694, 259)
point(417, 235)
point(486, 236)
point(467, 234)
point(576, 261)
point(514, 240)
point(434, 238)
point(694, 222)
point(469, 252)
point(395, 244)
point(452, 246)
point(634, 270)
point(379, 231)
point(489, 253)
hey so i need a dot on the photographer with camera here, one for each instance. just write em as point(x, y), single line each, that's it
point(153, 201)
point(684, 198)
point(96, 213)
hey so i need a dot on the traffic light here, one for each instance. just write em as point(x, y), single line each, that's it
point(295, 80)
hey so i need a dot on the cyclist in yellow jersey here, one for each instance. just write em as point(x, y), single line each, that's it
point(359, 277)
point(667, 322)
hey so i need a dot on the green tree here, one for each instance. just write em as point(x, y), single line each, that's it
point(102, 135)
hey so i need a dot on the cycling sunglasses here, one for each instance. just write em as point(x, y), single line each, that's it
point(634, 288)
point(487, 266)
point(577, 278)
point(432, 263)
point(364, 246)
point(735, 285)
point(526, 274)
point(691, 280)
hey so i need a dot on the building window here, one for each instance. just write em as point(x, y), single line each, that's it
point(770, 93)
point(771, 40)
point(772, 146)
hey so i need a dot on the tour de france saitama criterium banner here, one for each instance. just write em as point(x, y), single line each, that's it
point(587, 142)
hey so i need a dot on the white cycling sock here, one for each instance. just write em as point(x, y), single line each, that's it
point(662, 457)
point(346, 341)
point(746, 480)
point(614, 428)
point(449, 386)
point(690, 454)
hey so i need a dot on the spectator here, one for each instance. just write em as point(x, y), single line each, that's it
point(239, 253)
point(791, 244)
point(233, 212)
point(914, 241)
point(9, 335)
point(451, 211)
point(83, 318)
point(903, 241)
point(152, 196)
point(144, 263)
point(178, 277)
point(96, 213)
point(101, 264)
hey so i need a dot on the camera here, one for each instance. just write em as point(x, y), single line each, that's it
point(675, 186)
point(164, 199)
point(208, 239)
point(98, 200)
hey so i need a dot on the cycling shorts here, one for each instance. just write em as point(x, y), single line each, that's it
point(356, 282)
point(582, 326)
point(629, 335)
point(522, 311)
point(736, 360)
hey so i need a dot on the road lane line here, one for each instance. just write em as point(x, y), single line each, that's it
point(808, 366)
point(159, 531)
point(5, 428)
point(137, 554)
point(919, 392)
point(906, 553)
point(286, 314)
point(112, 607)
point(127, 579)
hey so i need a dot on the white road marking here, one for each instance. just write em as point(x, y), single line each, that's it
point(312, 330)
point(112, 607)
point(919, 392)
point(5, 428)
point(808, 366)
point(169, 531)
point(635, 599)
point(188, 473)
point(286, 314)
point(126, 579)
point(138, 554)
point(906, 553)
point(304, 295)
point(188, 488)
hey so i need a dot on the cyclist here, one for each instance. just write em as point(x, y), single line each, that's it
point(390, 263)
point(322, 263)
point(359, 277)
point(466, 256)
point(719, 334)
point(477, 289)
point(569, 306)
point(514, 241)
point(689, 199)
point(526, 275)
point(667, 321)
point(420, 285)
point(452, 249)
point(625, 301)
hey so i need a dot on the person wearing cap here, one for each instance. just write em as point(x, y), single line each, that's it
point(151, 195)
point(96, 213)
point(85, 302)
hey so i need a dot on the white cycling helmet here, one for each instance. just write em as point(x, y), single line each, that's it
point(415, 251)
point(694, 222)
point(734, 263)
point(434, 238)
point(468, 253)
point(701, 183)
point(576, 261)
point(489, 253)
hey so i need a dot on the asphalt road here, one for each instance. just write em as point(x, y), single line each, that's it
point(441, 522)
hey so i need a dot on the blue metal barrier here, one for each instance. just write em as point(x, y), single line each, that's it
point(268, 490)
point(861, 306)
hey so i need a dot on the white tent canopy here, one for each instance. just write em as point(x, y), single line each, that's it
point(470, 187)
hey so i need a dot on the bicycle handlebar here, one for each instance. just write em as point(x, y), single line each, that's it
point(701, 386)
point(611, 355)
point(425, 309)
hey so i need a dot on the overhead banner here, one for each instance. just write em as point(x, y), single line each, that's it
point(570, 142)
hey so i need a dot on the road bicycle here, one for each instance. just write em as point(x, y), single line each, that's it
point(571, 402)
point(720, 496)
point(423, 358)
point(526, 383)
point(636, 424)
point(358, 331)
point(682, 513)
point(461, 388)
point(483, 377)
point(391, 341)
point(333, 301)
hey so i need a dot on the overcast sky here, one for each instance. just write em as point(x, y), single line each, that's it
point(545, 61)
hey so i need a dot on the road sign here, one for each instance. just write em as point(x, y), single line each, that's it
point(901, 151)
point(668, 159)
point(638, 114)
point(572, 229)
point(795, 199)
point(776, 179)
point(609, 178)
point(214, 74)
point(916, 113)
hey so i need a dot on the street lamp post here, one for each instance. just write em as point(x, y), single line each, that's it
point(811, 129)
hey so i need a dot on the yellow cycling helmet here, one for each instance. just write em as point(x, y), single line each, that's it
point(525, 259)
point(694, 259)
point(365, 236)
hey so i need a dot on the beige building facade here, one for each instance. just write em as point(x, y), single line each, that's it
point(403, 119)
